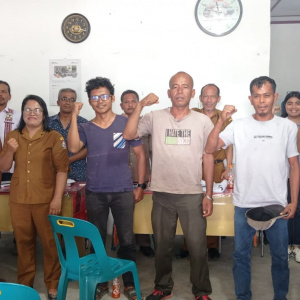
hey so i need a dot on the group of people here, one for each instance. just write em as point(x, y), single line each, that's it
point(176, 147)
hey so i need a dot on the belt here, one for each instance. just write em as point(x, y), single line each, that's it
point(218, 161)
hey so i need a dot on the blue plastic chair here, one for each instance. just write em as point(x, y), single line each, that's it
point(13, 291)
point(90, 269)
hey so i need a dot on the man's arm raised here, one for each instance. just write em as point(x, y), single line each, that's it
point(214, 142)
point(139, 152)
point(130, 131)
point(74, 142)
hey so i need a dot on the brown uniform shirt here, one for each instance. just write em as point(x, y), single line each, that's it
point(37, 160)
point(220, 154)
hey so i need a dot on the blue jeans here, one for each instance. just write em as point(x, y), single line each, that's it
point(277, 236)
point(294, 223)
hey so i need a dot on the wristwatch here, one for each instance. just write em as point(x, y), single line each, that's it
point(142, 185)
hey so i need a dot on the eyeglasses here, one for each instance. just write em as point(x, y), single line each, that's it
point(103, 97)
point(65, 99)
point(36, 111)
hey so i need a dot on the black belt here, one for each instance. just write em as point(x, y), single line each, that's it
point(218, 161)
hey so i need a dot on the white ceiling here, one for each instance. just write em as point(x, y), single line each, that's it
point(285, 11)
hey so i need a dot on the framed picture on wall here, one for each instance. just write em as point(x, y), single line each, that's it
point(64, 73)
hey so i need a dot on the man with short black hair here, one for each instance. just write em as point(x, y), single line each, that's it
point(129, 100)
point(109, 184)
point(266, 154)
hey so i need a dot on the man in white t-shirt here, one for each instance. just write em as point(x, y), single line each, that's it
point(266, 153)
point(9, 119)
point(179, 136)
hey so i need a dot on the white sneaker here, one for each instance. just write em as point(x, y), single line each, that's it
point(296, 251)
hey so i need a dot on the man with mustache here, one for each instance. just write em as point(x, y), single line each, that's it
point(9, 119)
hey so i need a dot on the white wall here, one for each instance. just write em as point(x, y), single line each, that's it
point(285, 59)
point(138, 44)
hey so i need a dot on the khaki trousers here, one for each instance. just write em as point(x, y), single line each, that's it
point(28, 220)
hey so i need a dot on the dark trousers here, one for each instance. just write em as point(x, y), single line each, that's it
point(143, 240)
point(122, 206)
point(294, 223)
point(166, 210)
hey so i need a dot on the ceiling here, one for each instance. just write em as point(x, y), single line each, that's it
point(285, 11)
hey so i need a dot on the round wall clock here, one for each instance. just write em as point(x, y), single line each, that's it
point(76, 28)
point(218, 17)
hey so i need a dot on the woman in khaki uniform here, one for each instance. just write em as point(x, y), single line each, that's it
point(37, 186)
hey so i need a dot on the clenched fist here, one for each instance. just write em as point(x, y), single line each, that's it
point(149, 100)
point(227, 112)
point(12, 145)
point(77, 107)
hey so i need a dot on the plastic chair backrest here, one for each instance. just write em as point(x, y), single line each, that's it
point(70, 228)
point(13, 291)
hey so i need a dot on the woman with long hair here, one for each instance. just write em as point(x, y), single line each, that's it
point(290, 108)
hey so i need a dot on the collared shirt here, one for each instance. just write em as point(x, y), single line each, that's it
point(78, 167)
point(220, 154)
point(37, 160)
point(10, 118)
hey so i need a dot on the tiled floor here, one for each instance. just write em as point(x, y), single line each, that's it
point(220, 273)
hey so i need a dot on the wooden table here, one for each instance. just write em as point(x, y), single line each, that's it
point(220, 223)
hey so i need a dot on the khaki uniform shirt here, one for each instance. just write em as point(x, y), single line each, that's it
point(221, 153)
point(37, 160)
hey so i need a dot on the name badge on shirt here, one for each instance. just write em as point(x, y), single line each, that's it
point(63, 143)
point(178, 137)
point(8, 117)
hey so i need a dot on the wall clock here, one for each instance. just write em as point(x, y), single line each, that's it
point(218, 17)
point(76, 28)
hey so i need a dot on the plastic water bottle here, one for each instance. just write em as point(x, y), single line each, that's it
point(230, 183)
point(116, 288)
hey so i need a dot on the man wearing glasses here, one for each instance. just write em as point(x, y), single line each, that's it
point(61, 123)
point(109, 183)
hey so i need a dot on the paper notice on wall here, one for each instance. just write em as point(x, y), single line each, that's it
point(64, 73)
